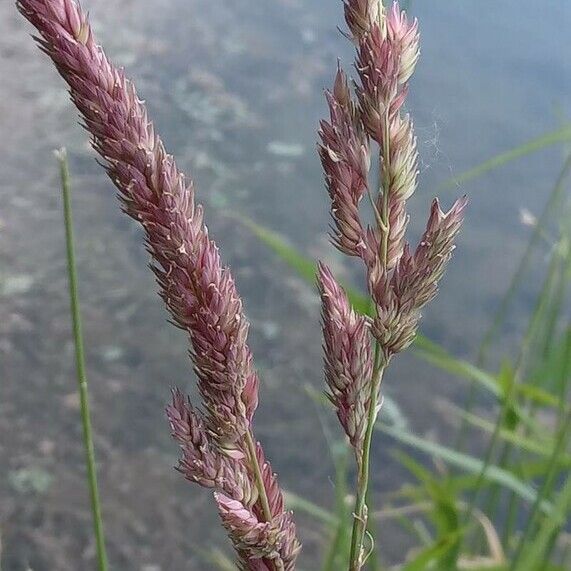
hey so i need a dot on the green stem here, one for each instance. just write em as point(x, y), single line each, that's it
point(360, 513)
point(80, 366)
point(263, 495)
point(253, 457)
point(373, 560)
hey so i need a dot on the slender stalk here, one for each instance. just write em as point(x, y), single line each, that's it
point(253, 458)
point(360, 512)
point(80, 365)
point(259, 479)
point(373, 560)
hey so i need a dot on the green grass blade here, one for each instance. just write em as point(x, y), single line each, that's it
point(320, 514)
point(467, 463)
point(439, 357)
point(303, 265)
point(500, 315)
point(432, 554)
point(539, 447)
point(557, 136)
point(536, 551)
point(80, 365)
point(545, 490)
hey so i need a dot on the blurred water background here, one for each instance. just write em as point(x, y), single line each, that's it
point(235, 89)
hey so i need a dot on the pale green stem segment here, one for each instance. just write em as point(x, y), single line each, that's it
point(255, 465)
point(360, 515)
point(80, 366)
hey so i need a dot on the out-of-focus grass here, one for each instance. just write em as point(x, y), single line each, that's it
point(520, 488)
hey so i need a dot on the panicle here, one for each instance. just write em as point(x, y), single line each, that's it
point(400, 281)
point(198, 291)
point(386, 57)
point(254, 539)
point(348, 358)
point(258, 543)
point(400, 297)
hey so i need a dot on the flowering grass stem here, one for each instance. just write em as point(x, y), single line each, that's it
point(364, 115)
point(80, 365)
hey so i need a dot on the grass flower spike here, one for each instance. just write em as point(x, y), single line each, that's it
point(400, 281)
point(348, 358)
point(218, 447)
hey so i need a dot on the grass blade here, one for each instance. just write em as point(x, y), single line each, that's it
point(535, 552)
point(545, 490)
point(467, 463)
point(560, 135)
point(432, 554)
point(539, 447)
point(320, 514)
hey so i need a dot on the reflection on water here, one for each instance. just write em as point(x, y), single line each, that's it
point(236, 90)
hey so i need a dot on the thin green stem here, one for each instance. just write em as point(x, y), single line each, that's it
point(360, 514)
point(80, 366)
point(253, 457)
point(255, 465)
point(373, 562)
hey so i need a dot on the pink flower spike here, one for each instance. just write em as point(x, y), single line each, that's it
point(348, 357)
